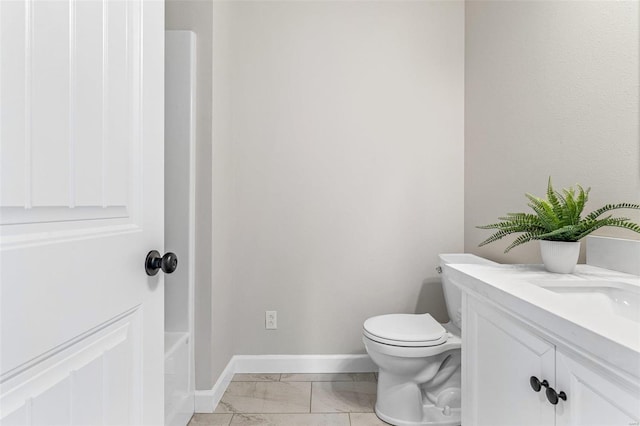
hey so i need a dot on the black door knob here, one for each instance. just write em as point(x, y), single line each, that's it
point(168, 263)
point(552, 396)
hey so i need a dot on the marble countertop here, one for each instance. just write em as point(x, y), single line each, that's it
point(597, 331)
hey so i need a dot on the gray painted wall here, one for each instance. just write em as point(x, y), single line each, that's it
point(551, 88)
point(223, 292)
point(347, 167)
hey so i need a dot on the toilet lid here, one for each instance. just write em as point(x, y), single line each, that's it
point(405, 330)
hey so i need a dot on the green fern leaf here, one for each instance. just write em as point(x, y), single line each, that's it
point(562, 234)
point(616, 222)
point(583, 197)
point(597, 213)
point(554, 201)
point(524, 238)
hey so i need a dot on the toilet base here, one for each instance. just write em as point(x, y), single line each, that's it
point(432, 416)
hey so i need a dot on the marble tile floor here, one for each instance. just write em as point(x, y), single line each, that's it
point(341, 399)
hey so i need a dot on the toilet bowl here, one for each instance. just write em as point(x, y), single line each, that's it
point(418, 377)
point(418, 361)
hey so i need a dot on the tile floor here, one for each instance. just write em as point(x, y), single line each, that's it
point(342, 399)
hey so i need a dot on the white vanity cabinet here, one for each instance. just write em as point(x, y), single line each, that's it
point(498, 358)
point(595, 397)
point(501, 353)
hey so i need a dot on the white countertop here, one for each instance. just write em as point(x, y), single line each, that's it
point(602, 334)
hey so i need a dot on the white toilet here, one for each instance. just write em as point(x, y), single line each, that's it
point(419, 360)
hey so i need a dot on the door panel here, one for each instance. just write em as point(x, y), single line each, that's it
point(81, 100)
point(89, 382)
point(73, 104)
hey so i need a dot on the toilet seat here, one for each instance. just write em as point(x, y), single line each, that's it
point(453, 343)
point(406, 330)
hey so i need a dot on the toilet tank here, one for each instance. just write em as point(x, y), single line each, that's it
point(452, 294)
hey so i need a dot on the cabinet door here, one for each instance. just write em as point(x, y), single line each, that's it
point(594, 398)
point(499, 357)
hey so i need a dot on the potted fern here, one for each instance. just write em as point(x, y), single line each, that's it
point(557, 223)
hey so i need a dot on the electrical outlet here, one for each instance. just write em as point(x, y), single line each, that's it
point(271, 320)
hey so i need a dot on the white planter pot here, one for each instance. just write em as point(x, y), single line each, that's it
point(560, 257)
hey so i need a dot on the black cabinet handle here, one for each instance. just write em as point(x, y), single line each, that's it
point(536, 384)
point(552, 396)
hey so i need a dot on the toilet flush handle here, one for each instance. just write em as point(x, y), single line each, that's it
point(439, 269)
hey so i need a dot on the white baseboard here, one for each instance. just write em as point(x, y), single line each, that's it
point(304, 364)
point(206, 401)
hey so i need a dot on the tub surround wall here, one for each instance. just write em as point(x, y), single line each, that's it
point(551, 88)
point(196, 16)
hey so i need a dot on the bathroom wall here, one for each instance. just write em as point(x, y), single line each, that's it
point(222, 291)
point(346, 127)
point(551, 90)
point(335, 169)
point(197, 16)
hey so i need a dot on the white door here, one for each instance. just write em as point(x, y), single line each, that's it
point(81, 204)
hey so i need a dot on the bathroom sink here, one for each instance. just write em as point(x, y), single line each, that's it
point(617, 298)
